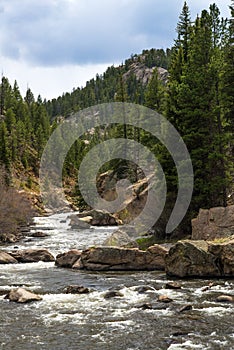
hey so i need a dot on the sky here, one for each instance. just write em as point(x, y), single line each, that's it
point(53, 46)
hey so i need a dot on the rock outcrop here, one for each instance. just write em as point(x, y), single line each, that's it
point(20, 295)
point(32, 255)
point(67, 259)
point(213, 223)
point(144, 73)
point(6, 258)
point(110, 258)
point(201, 259)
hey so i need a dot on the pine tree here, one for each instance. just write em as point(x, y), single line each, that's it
point(183, 29)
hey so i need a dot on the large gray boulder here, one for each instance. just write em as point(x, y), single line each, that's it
point(201, 259)
point(20, 295)
point(224, 254)
point(32, 255)
point(213, 223)
point(79, 223)
point(6, 258)
point(67, 259)
point(191, 258)
point(112, 258)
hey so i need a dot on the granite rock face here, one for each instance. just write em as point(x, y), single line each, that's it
point(213, 223)
point(113, 258)
point(201, 259)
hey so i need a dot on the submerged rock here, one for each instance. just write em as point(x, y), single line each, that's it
point(68, 259)
point(39, 234)
point(32, 255)
point(21, 295)
point(6, 258)
point(76, 290)
point(112, 258)
point(113, 294)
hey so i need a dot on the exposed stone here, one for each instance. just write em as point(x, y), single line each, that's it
point(145, 306)
point(225, 299)
point(120, 239)
point(6, 258)
point(10, 237)
point(68, 259)
point(213, 223)
point(39, 234)
point(143, 289)
point(173, 285)
point(164, 299)
point(185, 308)
point(79, 223)
point(112, 258)
point(99, 218)
point(205, 288)
point(113, 294)
point(191, 258)
point(20, 295)
point(76, 290)
point(224, 254)
point(32, 255)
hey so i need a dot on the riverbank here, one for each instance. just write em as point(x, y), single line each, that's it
point(135, 318)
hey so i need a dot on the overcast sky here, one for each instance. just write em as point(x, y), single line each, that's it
point(53, 46)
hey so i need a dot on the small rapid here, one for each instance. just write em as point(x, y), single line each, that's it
point(134, 320)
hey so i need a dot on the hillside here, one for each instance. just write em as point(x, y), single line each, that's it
point(191, 84)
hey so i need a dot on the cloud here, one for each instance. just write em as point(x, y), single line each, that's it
point(60, 32)
point(55, 45)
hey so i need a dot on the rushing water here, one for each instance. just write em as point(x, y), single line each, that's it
point(91, 322)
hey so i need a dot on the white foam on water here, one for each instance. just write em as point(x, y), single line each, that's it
point(186, 345)
point(216, 310)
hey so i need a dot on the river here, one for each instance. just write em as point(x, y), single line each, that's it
point(91, 322)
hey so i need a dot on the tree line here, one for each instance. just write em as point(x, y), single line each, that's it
point(198, 100)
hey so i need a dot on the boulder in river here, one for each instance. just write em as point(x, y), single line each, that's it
point(225, 299)
point(21, 295)
point(120, 239)
point(99, 218)
point(113, 294)
point(39, 234)
point(79, 223)
point(76, 290)
point(6, 258)
point(32, 255)
point(68, 259)
point(201, 259)
point(10, 237)
point(113, 258)
point(213, 223)
point(191, 258)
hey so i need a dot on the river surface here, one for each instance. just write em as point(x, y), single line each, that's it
point(91, 322)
